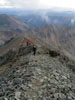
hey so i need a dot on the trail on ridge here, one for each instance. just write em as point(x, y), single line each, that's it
point(39, 77)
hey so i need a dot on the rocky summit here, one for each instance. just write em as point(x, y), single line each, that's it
point(39, 77)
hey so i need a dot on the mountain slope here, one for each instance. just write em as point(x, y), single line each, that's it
point(42, 76)
point(11, 27)
point(54, 35)
point(61, 37)
point(12, 23)
point(49, 18)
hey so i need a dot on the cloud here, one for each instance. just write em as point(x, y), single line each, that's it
point(73, 21)
point(3, 2)
point(45, 17)
point(27, 4)
point(37, 4)
point(57, 3)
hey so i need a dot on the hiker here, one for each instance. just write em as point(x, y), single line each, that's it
point(27, 43)
point(34, 50)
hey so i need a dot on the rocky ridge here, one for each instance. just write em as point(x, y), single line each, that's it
point(40, 77)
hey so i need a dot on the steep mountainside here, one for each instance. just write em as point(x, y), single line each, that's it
point(57, 36)
point(13, 43)
point(38, 20)
point(12, 23)
point(11, 27)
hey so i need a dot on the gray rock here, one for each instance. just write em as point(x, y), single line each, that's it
point(17, 95)
point(69, 98)
point(17, 81)
point(2, 94)
point(4, 98)
point(43, 79)
point(59, 95)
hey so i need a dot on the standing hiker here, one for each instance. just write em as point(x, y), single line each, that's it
point(27, 43)
point(34, 50)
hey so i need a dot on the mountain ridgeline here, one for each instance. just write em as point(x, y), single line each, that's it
point(59, 36)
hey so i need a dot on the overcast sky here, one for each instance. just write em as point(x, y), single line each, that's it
point(38, 4)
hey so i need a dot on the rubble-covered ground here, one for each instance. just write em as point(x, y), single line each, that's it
point(39, 77)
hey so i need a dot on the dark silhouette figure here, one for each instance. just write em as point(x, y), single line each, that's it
point(34, 50)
